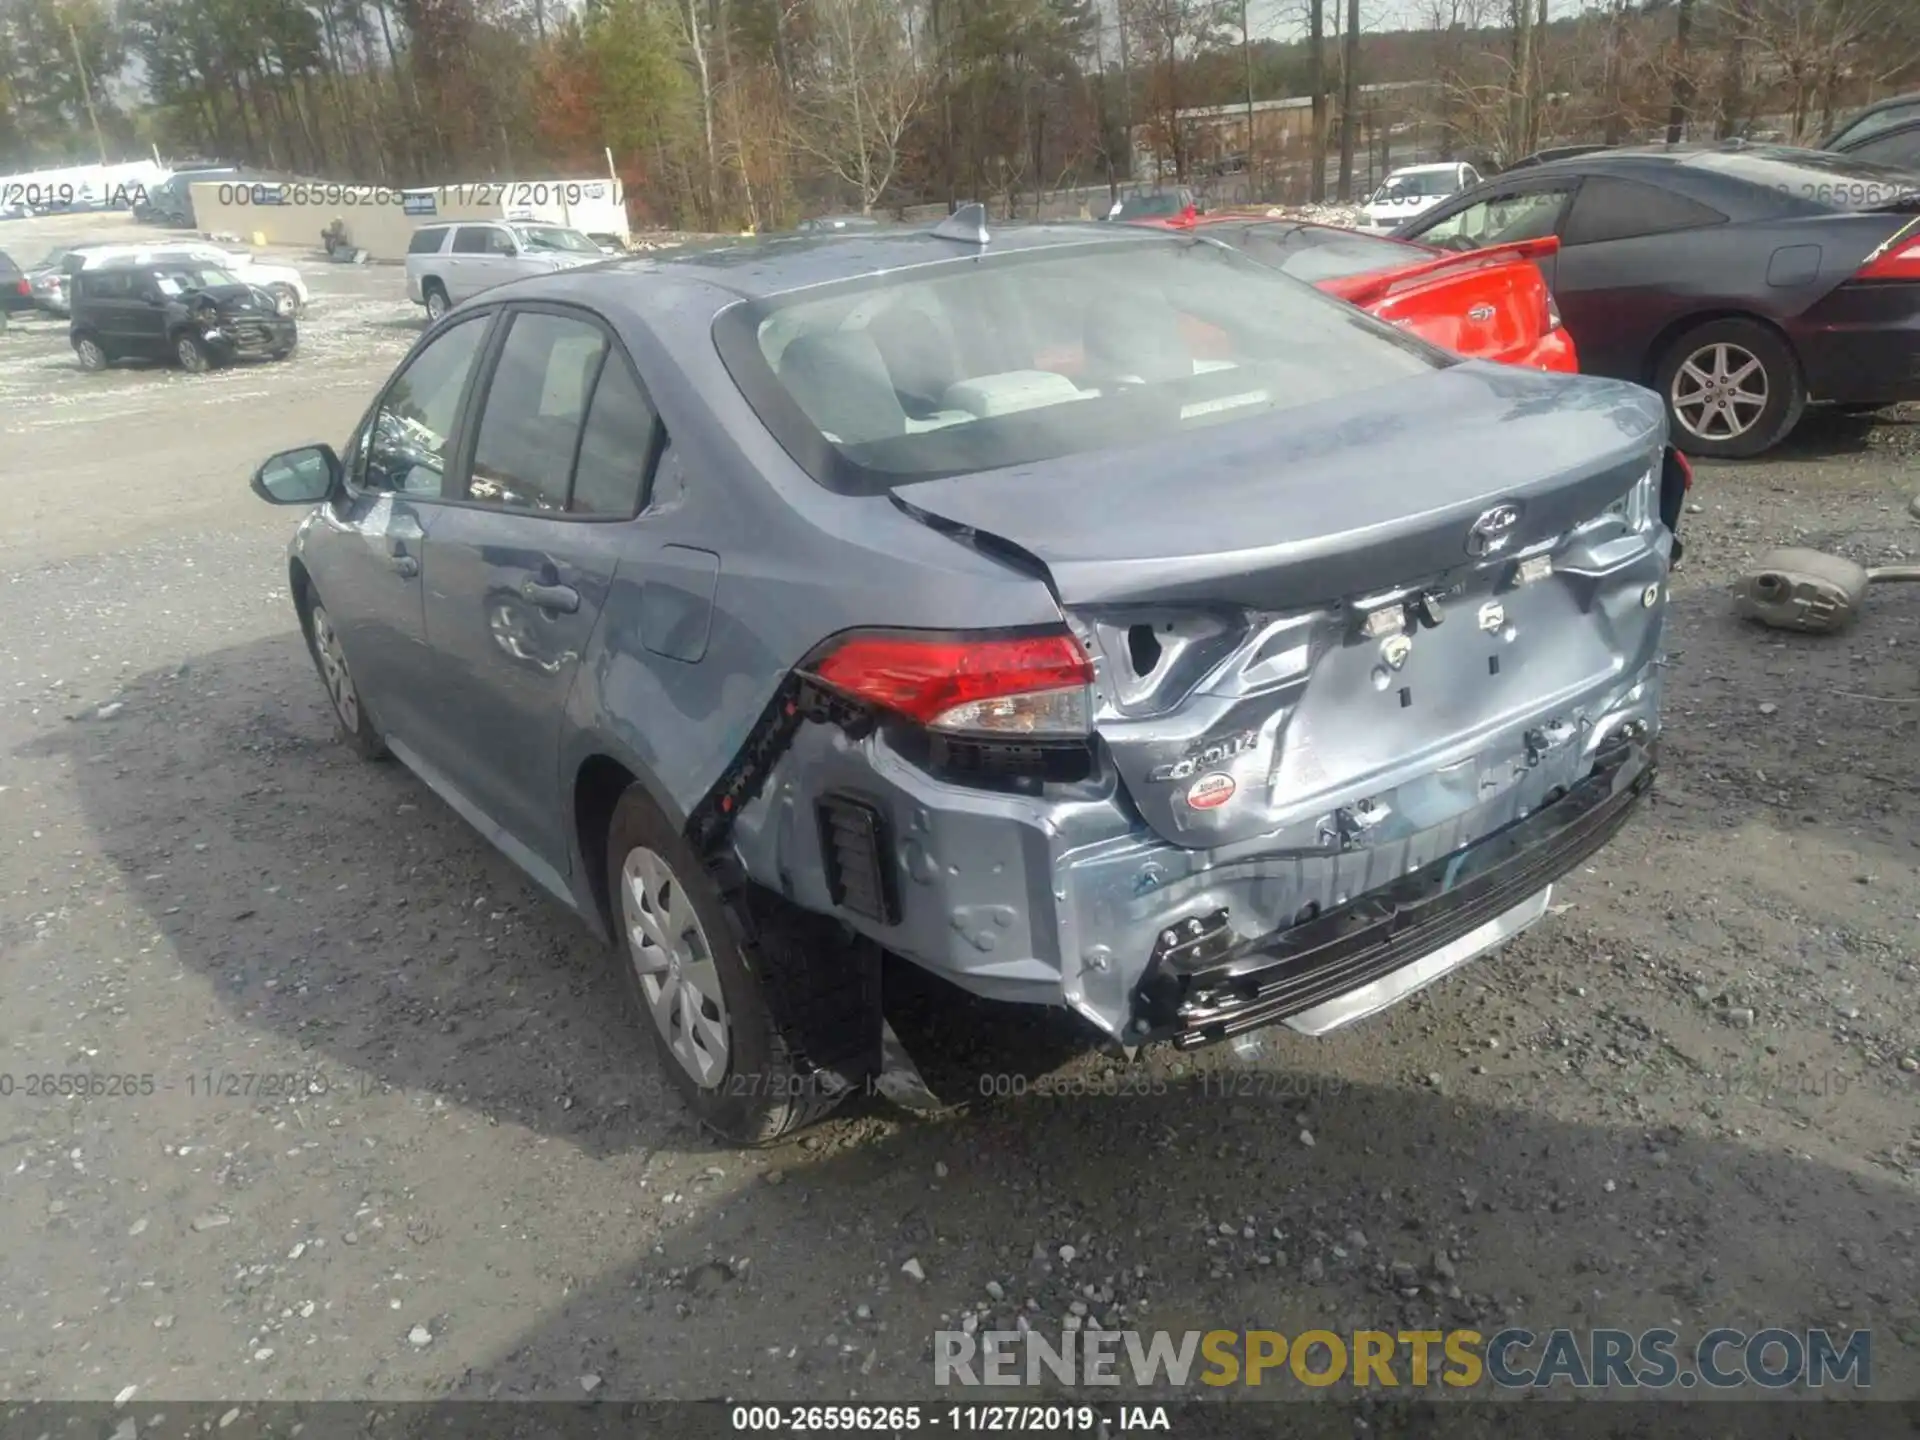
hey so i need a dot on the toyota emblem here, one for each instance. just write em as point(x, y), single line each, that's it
point(1494, 530)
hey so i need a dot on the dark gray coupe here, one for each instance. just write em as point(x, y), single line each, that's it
point(1088, 614)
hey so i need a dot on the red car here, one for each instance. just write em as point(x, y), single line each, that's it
point(1489, 304)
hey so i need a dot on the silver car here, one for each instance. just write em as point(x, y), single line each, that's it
point(448, 263)
point(1088, 614)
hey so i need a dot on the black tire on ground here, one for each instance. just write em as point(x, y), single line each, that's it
point(191, 354)
point(1738, 386)
point(436, 297)
point(91, 353)
point(350, 715)
point(759, 1093)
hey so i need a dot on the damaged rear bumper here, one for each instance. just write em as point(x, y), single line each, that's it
point(1066, 899)
point(1202, 985)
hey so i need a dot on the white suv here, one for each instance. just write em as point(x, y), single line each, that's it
point(447, 263)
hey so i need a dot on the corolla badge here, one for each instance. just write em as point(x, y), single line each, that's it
point(1494, 530)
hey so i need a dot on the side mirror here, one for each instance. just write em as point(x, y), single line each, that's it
point(298, 477)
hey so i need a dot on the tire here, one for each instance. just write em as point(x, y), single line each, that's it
point(679, 928)
point(1733, 389)
point(91, 354)
point(436, 297)
point(343, 696)
point(283, 292)
point(191, 354)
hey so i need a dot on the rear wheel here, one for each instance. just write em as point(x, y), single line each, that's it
point(1733, 389)
point(696, 958)
point(90, 353)
point(192, 354)
point(436, 297)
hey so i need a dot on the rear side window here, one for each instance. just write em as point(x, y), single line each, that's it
point(535, 407)
point(985, 362)
point(426, 242)
point(1608, 208)
point(473, 240)
point(615, 447)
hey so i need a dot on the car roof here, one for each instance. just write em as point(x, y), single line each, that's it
point(778, 264)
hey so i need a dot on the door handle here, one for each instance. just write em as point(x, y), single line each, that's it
point(563, 598)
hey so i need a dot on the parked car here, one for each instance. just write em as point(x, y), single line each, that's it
point(47, 279)
point(1412, 191)
point(1489, 305)
point(449, 262)
point(979, 686)
point(1894, 110)
point(1156, 205)
point(192, 313)
point(16, 294)
point(1742, 282)
point(608, 243)
point(1896, 146)
point(284, 282)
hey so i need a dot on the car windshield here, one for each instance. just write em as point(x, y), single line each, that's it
point(1164, 203)
point(958, 367)
point(183, 279)
point(1425, 185)
point(1319, 252)
point(555, 237)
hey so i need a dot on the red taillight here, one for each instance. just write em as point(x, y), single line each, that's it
point(1553, 312)
point(1685, 467)
point(22, 288)
point(1003, 685)
point(1897, 260)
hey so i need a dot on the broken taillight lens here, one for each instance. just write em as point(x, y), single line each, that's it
point(1898, 260)
point(1005, 685)
point(1553, 313)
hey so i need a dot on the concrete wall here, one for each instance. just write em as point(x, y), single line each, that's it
point(381, 220)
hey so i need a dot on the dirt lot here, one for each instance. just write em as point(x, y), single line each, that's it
point(1688, 1097)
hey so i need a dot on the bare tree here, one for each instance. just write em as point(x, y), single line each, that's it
point(1349, 96)
point(865, 88)
point(1317, 84)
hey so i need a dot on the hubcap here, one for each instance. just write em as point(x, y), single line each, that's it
point(678, 979)
point(333, 669)
point(189, 356)
point(436, 305)
point(1719, 392)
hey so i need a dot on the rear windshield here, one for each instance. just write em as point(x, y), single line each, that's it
point(1818, 178)
point(555, 237)
point(1320, 252)
point(1134, 207)
point(972, 365)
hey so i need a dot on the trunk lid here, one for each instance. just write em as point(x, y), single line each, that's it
point(1485, 303)
point(1223, 581)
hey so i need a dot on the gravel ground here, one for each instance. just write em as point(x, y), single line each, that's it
point(1686, 1098)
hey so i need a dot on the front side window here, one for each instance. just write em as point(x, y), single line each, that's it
point(1498, 220)
point(404, 447)
point(1879, 120)
point(535, 406)
point(988, 362)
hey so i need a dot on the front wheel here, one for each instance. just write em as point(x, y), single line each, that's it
point(192, 354)
point(285, 298)
point(1733, 389)
point(696, 959)
point(349, 714)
